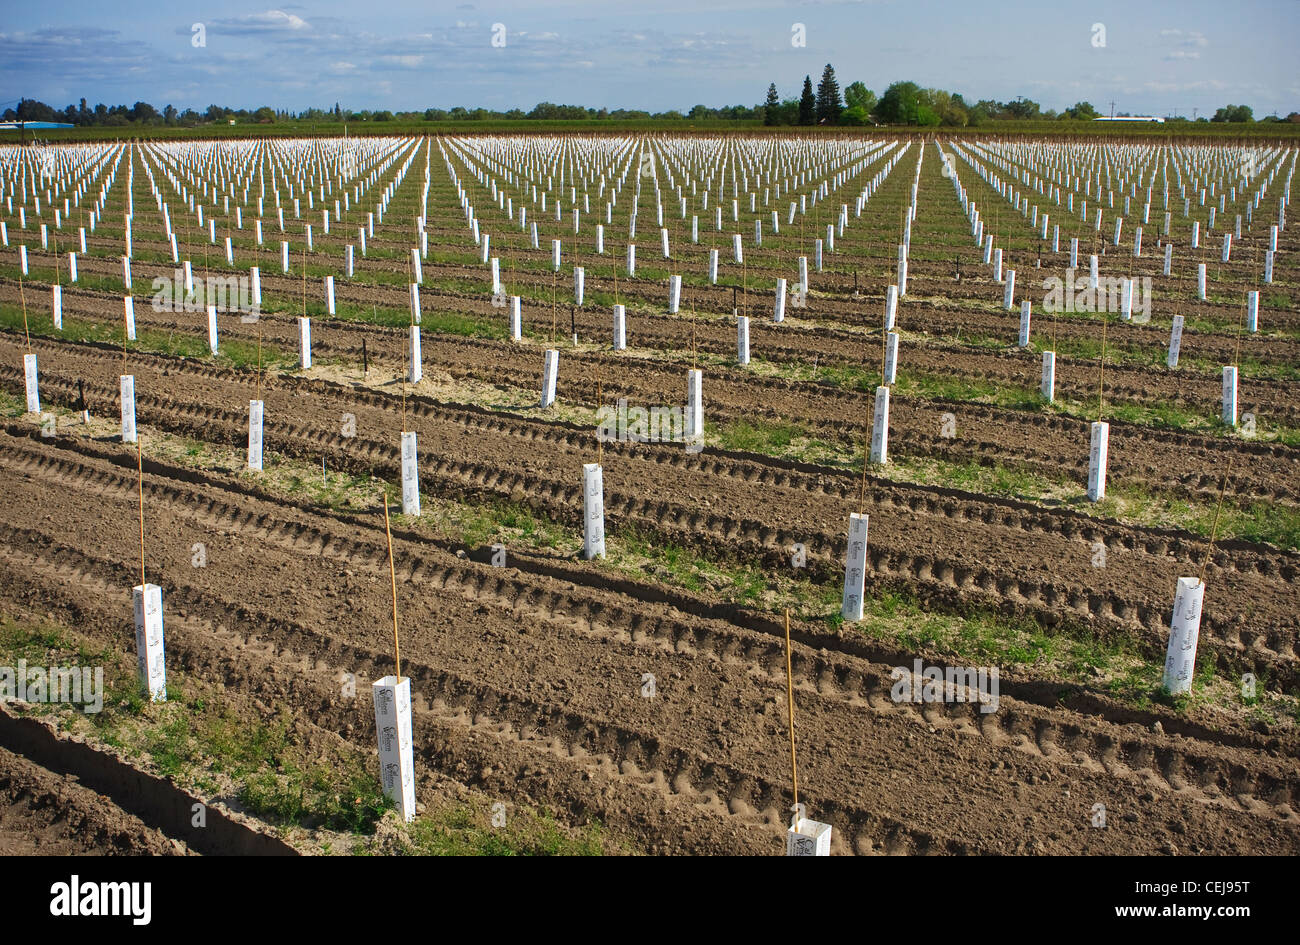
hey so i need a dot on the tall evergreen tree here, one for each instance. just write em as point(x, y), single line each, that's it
point(829, 105)
point(807, 103)
point(772, 109)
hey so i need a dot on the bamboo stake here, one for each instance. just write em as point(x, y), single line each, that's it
point(392, 576)
point(1214, 528)
point(22, 296)
point(693, 350)
point(789, 690)
point(1241, 316)
point(1101, 377)
point(139, 466)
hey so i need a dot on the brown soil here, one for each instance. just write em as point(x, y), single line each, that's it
point(527, 679)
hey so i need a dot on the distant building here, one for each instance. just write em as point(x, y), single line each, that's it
point(1132, 118)
point(19, 125)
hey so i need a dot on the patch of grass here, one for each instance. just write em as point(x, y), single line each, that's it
point(758, 436)
point(38, 644)
point(431, 320)
point(237, 353)
point(316, 796)
point(469, 831)
point(640, 557)
point(1260, 521)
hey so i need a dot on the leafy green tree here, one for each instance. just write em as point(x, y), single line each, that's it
point(807, 103)
point(1080, 111)
point(788, 112)
point(144, 112)
point(947, 107)
point(829, 105)
point(857, 95)
point(1236, 113)
point(31, 110)
point(1021, 108)
point(899, 104)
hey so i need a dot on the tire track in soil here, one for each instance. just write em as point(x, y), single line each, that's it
point(1190, 778)
point(1186, 465)
point(520, 747)
point(85, 468)
point(964, 553)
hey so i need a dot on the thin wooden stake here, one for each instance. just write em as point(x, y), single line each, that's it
point(693, 361)
point(1101, 376)
point(789, 690)
point(1214, 528)
point(139, 467)
point(392, 576)
point(27, 334)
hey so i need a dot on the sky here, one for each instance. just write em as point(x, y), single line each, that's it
point(1147, 56)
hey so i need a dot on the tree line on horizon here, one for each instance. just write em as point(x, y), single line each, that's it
point(906, 103)
point(902, 103)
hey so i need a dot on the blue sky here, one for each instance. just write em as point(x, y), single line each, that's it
point(1159, 57)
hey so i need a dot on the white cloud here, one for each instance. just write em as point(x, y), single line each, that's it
point(269, 22)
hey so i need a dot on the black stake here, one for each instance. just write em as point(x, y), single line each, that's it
point(365, 359)
point(573, 325)
point(81, 397)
